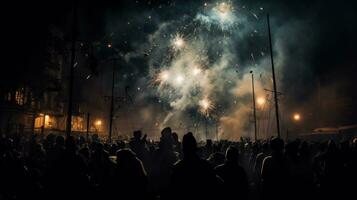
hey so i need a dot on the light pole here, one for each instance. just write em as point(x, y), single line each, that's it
point(88, 120)
point(71, 73)
point(274, 81)
point(254, 108)
point(112, 104)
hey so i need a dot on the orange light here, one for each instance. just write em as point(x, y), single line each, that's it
point(98, 122)
point(261, 101)
point(297, 117)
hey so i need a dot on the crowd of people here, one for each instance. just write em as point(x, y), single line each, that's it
point(57, 167)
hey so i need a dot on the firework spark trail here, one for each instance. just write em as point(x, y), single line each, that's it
point(196, 69)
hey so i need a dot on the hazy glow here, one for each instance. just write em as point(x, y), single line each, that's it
point(179, 79)
point(194, 68)
point(163, 76)
point(297, 117)
point(260, 101)
point(224, 10)
point(178, 42)
point(205, 106)
point(196, 71)
point(221, 14)
point(98, 122)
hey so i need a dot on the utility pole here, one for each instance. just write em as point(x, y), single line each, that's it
point(254, 108)
point(112, 104)
point(71, 74)
point(274, 81)
point(217, 131)
point(34, 114)
point(206, 127)
point(43, 124)
point(88, 117)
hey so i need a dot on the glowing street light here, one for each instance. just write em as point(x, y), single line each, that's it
point(261, 101)
point(296, 117)
point(46, 121)
point(98, 122)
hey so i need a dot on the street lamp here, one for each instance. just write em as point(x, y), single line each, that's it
point(260, 101)
point(254, 109)
point(98, 124)
point(296, 117)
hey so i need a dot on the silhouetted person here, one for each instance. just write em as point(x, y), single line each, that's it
point(192, 178)
point(216, 159)
point(131, 176)
point(101, 169)
point(176, 144)
point(275, 172)
point(305, 175)
point(163, 160)
point(260, 158)
point(138, 146)
point(333, 171)
point(233, 175)
point(68, 174)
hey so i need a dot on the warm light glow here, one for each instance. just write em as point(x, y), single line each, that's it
point(163, 76)
point(47, 121)
point(261, 101)
point(109, 45)
point(98, 122)
point(297, 117)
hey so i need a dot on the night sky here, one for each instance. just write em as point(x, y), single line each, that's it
point(179, 62)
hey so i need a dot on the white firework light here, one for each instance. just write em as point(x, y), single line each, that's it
point(194, 65)
point(178, 42)
point(221, 14)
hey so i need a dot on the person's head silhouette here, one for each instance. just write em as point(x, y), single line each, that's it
point(331, 146)
point(189, 145)
point(175, 137)
point(232, 154)
point(125, 156)
point(137, 134)
point(166, 133)
point(277, 145)
point(70, 144)
point(60, 141)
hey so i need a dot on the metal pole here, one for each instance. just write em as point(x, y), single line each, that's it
point(43, 124)
point(88, 115)
point(71, 76)
point(217, 131)
point(254, 108)
point(112, 105)
point(274, 81)
point(33, 122)
point(206, 127)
